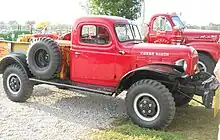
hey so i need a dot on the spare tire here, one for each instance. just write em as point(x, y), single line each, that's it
point(44, 58)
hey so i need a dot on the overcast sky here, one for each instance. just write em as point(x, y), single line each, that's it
point(66, 11)
point(193, 11)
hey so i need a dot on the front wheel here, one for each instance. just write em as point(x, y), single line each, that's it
point(206, 63)
point(16, 83)
point(150, 104)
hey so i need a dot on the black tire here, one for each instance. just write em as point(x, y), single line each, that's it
point(15, 75)
point(161, 96)
point(207, 61)
point(44, 58)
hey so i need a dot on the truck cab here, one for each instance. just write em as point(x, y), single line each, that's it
point(166, 29)
point(169, 29)
point(105, 54)
point(114, 45)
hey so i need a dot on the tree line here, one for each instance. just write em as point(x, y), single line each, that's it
point(210, 26)
point(29, 25)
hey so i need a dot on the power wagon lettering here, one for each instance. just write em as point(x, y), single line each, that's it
point(155, 53)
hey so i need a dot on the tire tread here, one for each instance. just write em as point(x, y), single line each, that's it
point(28, 86)
point(56, 55)
point(167, 97)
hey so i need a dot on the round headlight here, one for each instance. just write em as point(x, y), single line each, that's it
point(182, 63)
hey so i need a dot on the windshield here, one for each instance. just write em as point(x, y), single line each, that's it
point(178, 22)
point(127, 32)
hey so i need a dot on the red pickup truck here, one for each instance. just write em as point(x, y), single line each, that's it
point(105, 54)
point(169, 29)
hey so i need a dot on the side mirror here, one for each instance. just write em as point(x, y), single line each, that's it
point(176, 27)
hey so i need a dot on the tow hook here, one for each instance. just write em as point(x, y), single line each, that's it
point(210, 85)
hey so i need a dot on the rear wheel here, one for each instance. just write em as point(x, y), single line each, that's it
point(150, 104)
point(16, 83)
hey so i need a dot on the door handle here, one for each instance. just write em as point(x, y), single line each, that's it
point(77, 53)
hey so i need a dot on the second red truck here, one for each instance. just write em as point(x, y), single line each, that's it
point(169, 29)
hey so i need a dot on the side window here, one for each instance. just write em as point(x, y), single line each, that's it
point(88, 34)
point(167, 25)
point(156, 24)
point(103, 36)
point(92, 34)
point(161, 24)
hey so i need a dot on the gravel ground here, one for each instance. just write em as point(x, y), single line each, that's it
point(57, 114)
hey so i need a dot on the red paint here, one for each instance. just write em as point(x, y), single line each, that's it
point(104, 65)
point(67, 36)
point(201, 40)
point(53, 36)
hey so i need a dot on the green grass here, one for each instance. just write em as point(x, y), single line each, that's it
point(193, 122)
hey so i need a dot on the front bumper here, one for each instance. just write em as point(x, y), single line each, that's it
point(201, 84)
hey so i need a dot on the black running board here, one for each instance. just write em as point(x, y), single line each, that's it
point(70, 86)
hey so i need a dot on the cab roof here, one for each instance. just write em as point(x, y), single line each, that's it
point(165, 14)
point(103, 18)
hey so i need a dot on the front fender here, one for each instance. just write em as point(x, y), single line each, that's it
point(212, 48)
point(164, 72)
point(14, 58)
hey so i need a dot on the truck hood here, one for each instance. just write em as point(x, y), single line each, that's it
point(207, 35)
point(163, 51)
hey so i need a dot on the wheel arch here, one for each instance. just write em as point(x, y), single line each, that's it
point(208, 48)
point(14, 58)
point(206, 53)
point(160, 72)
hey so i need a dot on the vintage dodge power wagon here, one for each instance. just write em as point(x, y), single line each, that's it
point(105, 54)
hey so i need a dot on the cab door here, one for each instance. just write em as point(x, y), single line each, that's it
point(93, 58)
point(160, 30)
